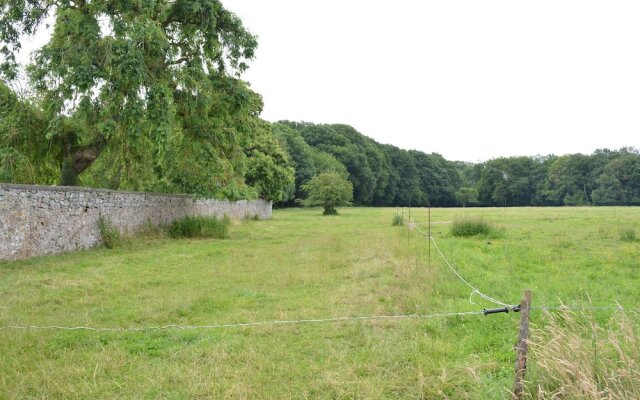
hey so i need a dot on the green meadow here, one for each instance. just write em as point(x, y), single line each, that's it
point(302, 265)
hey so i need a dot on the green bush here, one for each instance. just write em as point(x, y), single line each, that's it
point(472, 227)
point(397, 220)
point(199, 226)
point(109, 234)
point(628, 235)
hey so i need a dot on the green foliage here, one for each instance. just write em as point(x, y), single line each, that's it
point(398, 220)
point(357, 152)
point(199, 227)
point(328, 190)
point(300, 156)
point(25, 153)
point(145, 93)
point(383, 174)
point(628, 235)
point(466, 195)
point(268, 169)
point(438, 178)
point(404, 182)
point(569, 180)
point(109, 234)
point(466, 227)
point(619, 182)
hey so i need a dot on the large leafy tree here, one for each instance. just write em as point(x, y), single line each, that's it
point(301, 158)
point(268, 171)
point(438, 177)
point(342, 142)
point(466, 195)
point(619, 183)
point(404, 180)
point(329, 190)
point(569, 180)
point(138, 79)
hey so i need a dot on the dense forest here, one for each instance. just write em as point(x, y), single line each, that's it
point(384, 175)
point(155, 102)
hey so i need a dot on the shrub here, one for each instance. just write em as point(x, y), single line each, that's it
point(397, 220)
point(472, 227)
point(108, 233)
point(628, 235)
point(199, 226)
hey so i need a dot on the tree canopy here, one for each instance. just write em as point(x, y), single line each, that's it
point(146, 96)
point(329, 190)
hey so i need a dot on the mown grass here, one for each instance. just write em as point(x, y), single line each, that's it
point(303, 265)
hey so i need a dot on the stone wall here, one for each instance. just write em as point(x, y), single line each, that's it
point(39, 220)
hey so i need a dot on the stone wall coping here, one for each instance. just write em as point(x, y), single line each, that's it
point(55, 188)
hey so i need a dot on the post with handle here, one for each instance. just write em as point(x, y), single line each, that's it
point(521, 346)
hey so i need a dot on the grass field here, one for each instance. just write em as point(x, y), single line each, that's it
point(301, 265)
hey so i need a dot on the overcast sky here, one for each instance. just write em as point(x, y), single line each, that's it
point(472, 80)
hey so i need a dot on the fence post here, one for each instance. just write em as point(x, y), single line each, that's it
point(521, 346)
point(429, 235)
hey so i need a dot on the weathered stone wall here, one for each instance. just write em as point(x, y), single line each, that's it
point(39, 220)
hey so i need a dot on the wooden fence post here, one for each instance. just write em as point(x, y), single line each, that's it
point(429, 239)
point(521, 346)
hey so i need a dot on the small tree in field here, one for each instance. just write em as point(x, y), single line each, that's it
point(328, 190)
point(467, 195)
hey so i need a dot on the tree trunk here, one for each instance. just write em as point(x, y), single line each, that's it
point(76, 159)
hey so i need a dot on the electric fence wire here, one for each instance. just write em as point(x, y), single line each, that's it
point(474, 289)
point(324, 320)
point(243, 324)
point(590, 308)
point(495, 301)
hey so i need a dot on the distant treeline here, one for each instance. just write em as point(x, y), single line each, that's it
point(385, 175)
point(218, 146)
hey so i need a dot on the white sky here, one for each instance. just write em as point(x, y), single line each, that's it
point(471, 80)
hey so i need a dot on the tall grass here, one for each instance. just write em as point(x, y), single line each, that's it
point(398, 220)
point(573, 357)
point(628, 235)
point(466, 227)
point(109, 234)
point(199, 226)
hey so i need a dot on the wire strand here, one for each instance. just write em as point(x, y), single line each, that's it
point(244, 324)
point(601, 308)
point(474, 289)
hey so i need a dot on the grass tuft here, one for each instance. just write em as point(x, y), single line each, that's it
point(467, 227)
point(398, 220)
point(199, 227)
point(110, 234)
point(628, 235)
